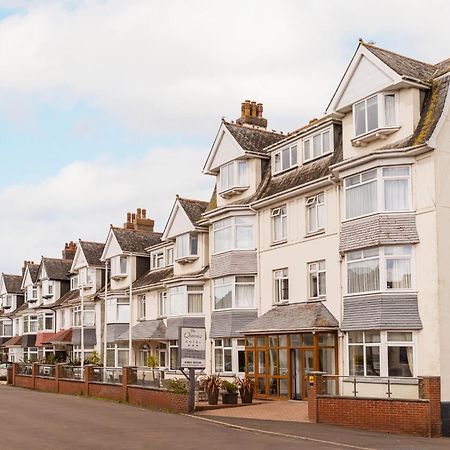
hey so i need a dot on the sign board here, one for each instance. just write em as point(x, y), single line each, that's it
point(192, 347)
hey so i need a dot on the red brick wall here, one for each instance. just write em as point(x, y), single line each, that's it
point(155, 398)
point(23, 381)
point(71, 387)
point(109, 391)
point(46, 384)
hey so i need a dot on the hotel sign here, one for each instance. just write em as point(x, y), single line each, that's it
point(192, 347)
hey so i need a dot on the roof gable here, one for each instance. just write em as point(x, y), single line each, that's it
point(92, 252)
point(178, 223)
point(30, 275)
point(112, 247)
point(11, 284)
point(55, 269)
point(79, 260)
point(122, 241)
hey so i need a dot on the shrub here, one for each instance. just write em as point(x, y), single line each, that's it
point(175, 385)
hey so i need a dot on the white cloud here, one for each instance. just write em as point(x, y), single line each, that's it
point(177, 66)
point(85, 197)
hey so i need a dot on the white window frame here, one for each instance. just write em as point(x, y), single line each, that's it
point(7, 300)
point(170, 253)
point(162, 304)
point(42, 321)
point(279, 214)
point(309, 141)
point(223, 346)
point(191, 238)
point(293, 160)
point(279, 277)
point(381, 113)
point(231, 222)
point(234, 281)
point(157, 259)
point(237, 181)
point(312, 207)
point(31, 321)
point(74, 283)
point(142, 306)
point(379, 180)
point(112, 309)
point(119, 266)
point(182, 293)
point(384, 345)
point(89, 316)
point(382, 258)
point(314, 268)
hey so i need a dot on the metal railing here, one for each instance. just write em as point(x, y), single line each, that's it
point(111, 375)
point(377, 387)
point(71, 373)
point(145, 376)
point(24, 369)
point(45, 371)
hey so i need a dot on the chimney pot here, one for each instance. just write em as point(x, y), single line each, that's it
point(133, 217)
point(139, 211)
point(252, 115)
point(128, 217)
point(144, 213)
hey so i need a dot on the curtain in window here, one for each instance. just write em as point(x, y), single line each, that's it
point(244, 236)
point(396, 194)
point(218, 360)
point(400, 361)
point(389, 110)
point(245, 295)
point(363, 276)
point(361, 199)
point(195, 303)
point(398, 273)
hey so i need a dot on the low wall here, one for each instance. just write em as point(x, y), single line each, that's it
point(143, 396)
point(420, 417)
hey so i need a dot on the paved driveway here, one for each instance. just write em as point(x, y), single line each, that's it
point(35, 420)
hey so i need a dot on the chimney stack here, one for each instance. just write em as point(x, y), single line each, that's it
point(252, 115)
point(70, 248)
point(25, 264)
point(139, 221)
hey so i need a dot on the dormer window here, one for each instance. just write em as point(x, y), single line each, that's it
point(284, 159)
point(187, 247)
point(374, 117)
point(234, 177)
point(32, 294)
point(317, 145)
point(157, 259)
point(119, 266)
point(7, 301)
point(73, 283)
point(169, 256)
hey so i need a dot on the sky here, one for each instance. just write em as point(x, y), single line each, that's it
point(111, 105)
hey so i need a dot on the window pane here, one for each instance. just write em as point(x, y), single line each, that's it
point(241, 361)
point(320, 216)
point(123, 358)
point(363, 276)
point(400, 361)
point(222, 239)
point(399, 336)
point(326, 142)
point(398, 273)
point(227, 359)
point(277, 162)
point(245, 296)
point(195, 303)
point(222, 297)
point(373, 360)
point(261, 362)
point(372, 336)
point(306, 149)
point(123, 313)
point(395, 171)
point(355, 337)
point(285, 158)
point(360, 118)
point(194, 244)
point(317, 145)
point(244, 236)
point(218, 360)
point(356, 360)
point(293, 155)
point(389, 110)
point(372, 113)
point(326, 339)
point(396, 194)
point(361, 199)
point(322, 283)
point(242, 173)
point(313, 285)
point(327, 360)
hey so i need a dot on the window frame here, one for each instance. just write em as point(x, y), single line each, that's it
point(232, 280)
point(279, 275)
point(89, 310)
point(320, 296)
point(191, 237)
point(275, 215)
point(291, 149)
point(157, 259)
point(312, 203)
point(183, 292)
point(233, 225)
point(310, 140)
point(162, 303)
point(142, 307)
point(236, 182)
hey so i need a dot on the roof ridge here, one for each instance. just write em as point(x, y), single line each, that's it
point(399, 54)
point(278, 133)
point(191, 199)
point(92, 242)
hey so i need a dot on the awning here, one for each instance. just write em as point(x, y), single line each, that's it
point(90, 338)
point(44, 338)
point(228, 323)
point(62, 337)
point(174, 324)
point(145, 331)
point(15, 341)
point(295, 317)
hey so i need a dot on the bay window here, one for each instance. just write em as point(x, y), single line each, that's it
point(234, 292)
point(89, 316)
point(279, 223)
point(187, 245)
point(46, 322)
point(281, 285)
point(384, 268)
point(118, 310)
point(119, 266)
point(233, 174)
point(233, 233)
point(85, 275)
point(317, 279)
point(185, 300)
point(317, 145)
point(383, 189)
point(316, 212)
point(284, 159)
point(381, 353)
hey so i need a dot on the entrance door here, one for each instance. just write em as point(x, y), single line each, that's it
point(308, 366)
point(301, 365)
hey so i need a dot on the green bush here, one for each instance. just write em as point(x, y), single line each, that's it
point(175, 385)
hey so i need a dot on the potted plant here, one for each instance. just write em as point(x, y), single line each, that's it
point(152, 362)
point(230, 396)
point(246, 387)
point(211, 385)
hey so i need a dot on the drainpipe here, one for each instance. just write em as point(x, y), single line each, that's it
point(130, 342)
point(82, 323)
point(104, 313)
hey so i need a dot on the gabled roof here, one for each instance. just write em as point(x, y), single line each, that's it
point(66, 299)
point(92, 252)
point(253, 139)
point(57, 269)
point(135, 241)
point(193, 208)
point(13, 283)
point(33, 269)
point(153, 277)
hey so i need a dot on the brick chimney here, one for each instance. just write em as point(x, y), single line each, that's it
point(139, 221)
point(24, 267)
point(252, 115)
point(70, 248)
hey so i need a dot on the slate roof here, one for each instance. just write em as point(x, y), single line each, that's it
point(13, 283)
point(193, 208)
point(34, 270)
point(66, 299)
point(153, 277)
point(135, 241)
point(293, 317)
point(144, 331)
point(253, 139)
point(403, 65)
point(93, 252)
point(57, 269)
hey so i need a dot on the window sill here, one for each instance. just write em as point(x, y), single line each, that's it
point(233, 191)
point(396, 212)
point(284, 302)
point(378, 133)
point(119, 276)
point(322, 298)
point(186, 259)
point(307, 161)
point(315, 233)
point(282, 172)
point(380, 292)
point(275, 243)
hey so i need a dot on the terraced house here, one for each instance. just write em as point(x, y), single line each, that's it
point(324, 249)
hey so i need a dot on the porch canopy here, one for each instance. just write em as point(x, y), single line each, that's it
point(145, 331)
point(291, 318)
point(15, 341)
point(62, 337)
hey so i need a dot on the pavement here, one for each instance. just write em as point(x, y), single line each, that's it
point(37, 420)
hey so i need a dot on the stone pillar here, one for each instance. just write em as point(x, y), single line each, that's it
point(14, 368)
point(34, 371)
point(57, 375)
point(128, 377)
point(430, 389)
point(316, 388)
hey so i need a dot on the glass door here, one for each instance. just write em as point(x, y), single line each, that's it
point(308, 366)
point(296, 374)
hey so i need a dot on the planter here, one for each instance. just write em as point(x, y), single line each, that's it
point(229, 398)
point(246, 395)
point(213, 397)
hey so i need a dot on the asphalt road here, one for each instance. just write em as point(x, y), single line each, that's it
point(36, 420)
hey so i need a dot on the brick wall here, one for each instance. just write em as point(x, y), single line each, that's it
point(108, 391)
point(71, 387)
point(24, 381)
point(157, 398)
point(416, 417)
point(46, 384)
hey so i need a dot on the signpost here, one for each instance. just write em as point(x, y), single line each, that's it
point(192, 356)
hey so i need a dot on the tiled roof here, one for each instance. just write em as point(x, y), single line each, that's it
point(15, 341)
point(145, 330)
point(193, 208)
point(153, 277)
point(442, 68)
point(62, 337)
point(34, 270)
point(13, 283)
point(135, 241)
point(93, 252)
point(403, 65)
point(57, 269)
point(293, 317)
point(253, 139)
point(66, 299)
